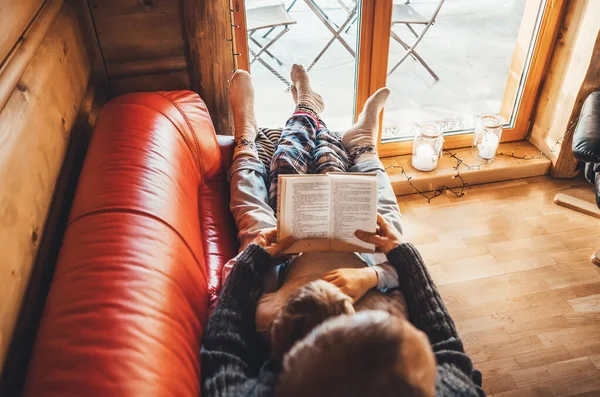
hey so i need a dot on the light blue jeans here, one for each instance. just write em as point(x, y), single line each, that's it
point(305, 146)
point(252, 213)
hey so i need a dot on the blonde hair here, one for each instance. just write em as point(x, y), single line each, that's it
point(347, 356)
point(306, 308)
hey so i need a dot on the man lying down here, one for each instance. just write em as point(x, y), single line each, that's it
point(324, 330)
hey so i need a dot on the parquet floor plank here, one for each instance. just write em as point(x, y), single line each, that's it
point(514, 270)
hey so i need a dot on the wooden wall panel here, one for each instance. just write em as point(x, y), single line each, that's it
point(101, 83)
point(138, 29)
point(142, 44)
point(15, 15)
point(149, 45)
point(35, 127)
point(210, 39)
point(151, 82)
point(561, 97)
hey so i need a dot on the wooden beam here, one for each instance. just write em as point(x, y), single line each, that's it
point(21, 54)
point(373, 52)
point(177, 80)
point(14, 22)
point(94, 51)
point(573, 72)
point(240, 35)
point(13, 375)
point(35, 127)
point(146, 67)
point(210, 45)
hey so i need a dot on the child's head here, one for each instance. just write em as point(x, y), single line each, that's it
point(373, 353)
point(306, 308)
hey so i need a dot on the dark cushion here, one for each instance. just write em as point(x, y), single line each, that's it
point(592, 174)
point(586, 139)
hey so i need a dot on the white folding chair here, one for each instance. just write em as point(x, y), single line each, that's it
point(405, 14)
point(268, 17)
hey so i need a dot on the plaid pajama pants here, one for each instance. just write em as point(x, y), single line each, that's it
point(306, 146)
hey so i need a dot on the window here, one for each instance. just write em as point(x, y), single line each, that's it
point(322, 36)
point(445, 61)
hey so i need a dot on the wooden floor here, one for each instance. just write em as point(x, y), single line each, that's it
point(514, 271)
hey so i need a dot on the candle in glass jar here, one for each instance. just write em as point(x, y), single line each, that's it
point(424, 158)
point(488, 146)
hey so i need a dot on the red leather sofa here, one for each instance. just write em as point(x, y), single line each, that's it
point(140, 266)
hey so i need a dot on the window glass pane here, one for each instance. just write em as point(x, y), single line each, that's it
point(333, 75)
point(478, 50)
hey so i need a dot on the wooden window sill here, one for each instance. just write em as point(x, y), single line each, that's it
point(501, 169)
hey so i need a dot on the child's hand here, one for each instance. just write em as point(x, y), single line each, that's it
point(385, 239)
point(353, 282)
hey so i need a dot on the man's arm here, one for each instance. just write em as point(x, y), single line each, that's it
point(234, 359)
point(428, 313)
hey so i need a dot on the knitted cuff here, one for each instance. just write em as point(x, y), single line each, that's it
point(259, 258)
point(305, 109)
point(405, 254)
point(241, 143)
point(355, 153)
point(244, 146)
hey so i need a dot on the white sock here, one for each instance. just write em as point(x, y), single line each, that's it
point(304, 95)
point(360, 141)
point(241, 97)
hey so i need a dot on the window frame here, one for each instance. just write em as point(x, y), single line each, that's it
point(374, 39)
point(372, 70)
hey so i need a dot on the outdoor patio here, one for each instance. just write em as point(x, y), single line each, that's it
point(470, 48)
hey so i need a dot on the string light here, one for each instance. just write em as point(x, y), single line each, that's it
point(542, 154)
point(460, 190)
point(436, 192)
point(231, 40)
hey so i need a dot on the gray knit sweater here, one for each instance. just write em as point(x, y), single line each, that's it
point(235, 360)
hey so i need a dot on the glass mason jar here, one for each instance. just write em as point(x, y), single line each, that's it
point(488, 132)
point(427, 148)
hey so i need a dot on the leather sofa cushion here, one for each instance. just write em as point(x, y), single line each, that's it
point(586, 139)
point(148, 234)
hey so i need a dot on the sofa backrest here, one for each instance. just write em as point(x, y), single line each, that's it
point(148, 234)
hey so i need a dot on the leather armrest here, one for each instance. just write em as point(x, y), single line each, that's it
point(149, 232)
point(586, 139)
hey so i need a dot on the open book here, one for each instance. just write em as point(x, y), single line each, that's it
point(323, 211)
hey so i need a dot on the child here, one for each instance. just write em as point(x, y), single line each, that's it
point(306, 146)
point(369, 353)
point(316, 302)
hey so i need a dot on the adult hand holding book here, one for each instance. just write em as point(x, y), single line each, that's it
point(386, 238)
point(322, 212)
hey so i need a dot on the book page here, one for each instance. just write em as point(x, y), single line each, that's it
point(304, 212)
point(354, 207)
